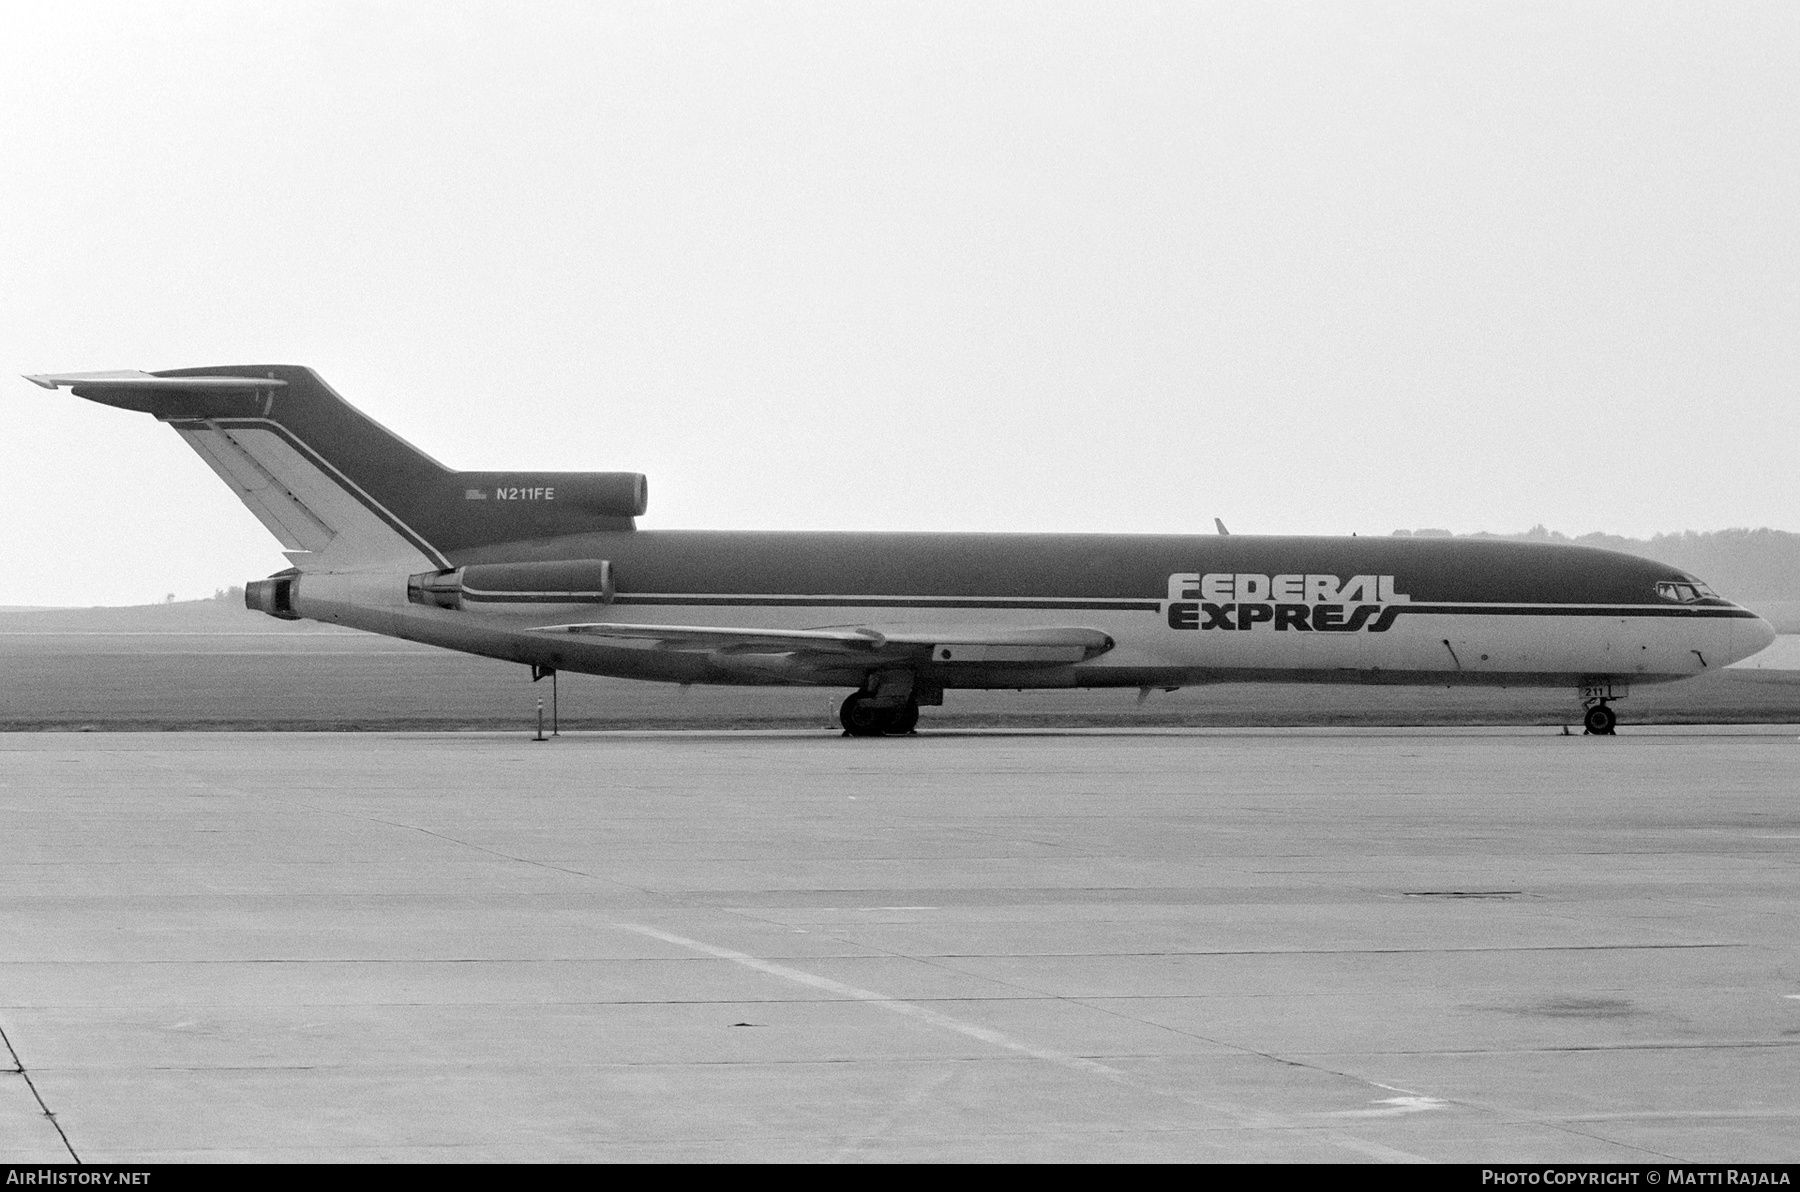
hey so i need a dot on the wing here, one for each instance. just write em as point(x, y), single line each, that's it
point(946, 645)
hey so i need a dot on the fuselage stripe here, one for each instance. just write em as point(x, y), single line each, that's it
point(1116, 604)
point(1568, 610)
point(1020, 602)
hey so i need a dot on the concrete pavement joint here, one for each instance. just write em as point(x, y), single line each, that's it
point(999, 1039)
point(19, 1067)
point(370, 819)
point(1415, 1101)
point(415, 828)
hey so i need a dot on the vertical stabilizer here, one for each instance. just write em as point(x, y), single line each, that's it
point(339, 490)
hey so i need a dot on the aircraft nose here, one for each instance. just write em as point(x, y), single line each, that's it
point(1751, 637)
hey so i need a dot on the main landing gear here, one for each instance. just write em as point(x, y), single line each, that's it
point(861, 717)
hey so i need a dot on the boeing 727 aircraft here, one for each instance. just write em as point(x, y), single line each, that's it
point(548, 569)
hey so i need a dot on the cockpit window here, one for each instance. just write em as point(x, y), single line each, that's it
point(1685, 591)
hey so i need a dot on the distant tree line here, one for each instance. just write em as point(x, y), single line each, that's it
point(1742, 564)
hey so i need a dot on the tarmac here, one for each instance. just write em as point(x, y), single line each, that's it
point(1499, 945)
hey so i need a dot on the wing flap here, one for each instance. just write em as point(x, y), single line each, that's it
point(718, 637)
point(947, 645)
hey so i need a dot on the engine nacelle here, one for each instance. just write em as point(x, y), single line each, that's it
point(274, 596)
point(503, 494)
point(501, 587)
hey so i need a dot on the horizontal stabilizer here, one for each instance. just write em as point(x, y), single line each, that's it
point(132, 381)
point(946, 644)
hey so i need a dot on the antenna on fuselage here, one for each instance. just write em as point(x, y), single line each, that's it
point(1221, 524)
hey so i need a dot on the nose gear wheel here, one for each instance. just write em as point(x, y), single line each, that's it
point(1599, 721)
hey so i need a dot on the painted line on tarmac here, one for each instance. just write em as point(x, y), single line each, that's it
point(1395, 1107)
point(996, 1038)
point(934, 1017)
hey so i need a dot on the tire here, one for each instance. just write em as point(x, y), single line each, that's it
point(861, 720)
point(901, 720)
point(1600, 720)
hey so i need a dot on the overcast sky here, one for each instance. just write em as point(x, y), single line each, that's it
point(1312, 268)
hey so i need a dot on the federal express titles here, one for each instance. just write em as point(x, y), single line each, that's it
point(1303, 603)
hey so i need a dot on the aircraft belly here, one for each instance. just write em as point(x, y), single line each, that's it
point(1422, 647)
point(1469, 646)
point(1565, 644)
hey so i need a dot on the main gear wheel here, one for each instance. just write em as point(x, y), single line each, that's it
point(862, 718)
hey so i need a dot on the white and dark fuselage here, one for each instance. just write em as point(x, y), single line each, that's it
point(548, 569)
point(1179, 610)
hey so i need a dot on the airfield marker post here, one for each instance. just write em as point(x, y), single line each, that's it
point(540, 733)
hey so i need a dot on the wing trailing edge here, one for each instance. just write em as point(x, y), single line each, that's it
point(947, 644)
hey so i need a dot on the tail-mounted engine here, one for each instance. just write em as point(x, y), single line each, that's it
point(274, 596)
point(501, 587)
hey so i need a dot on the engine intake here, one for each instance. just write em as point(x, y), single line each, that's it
point(496, 587)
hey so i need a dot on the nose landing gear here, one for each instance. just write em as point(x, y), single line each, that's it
point(1596, 694)
point(1599, 720)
